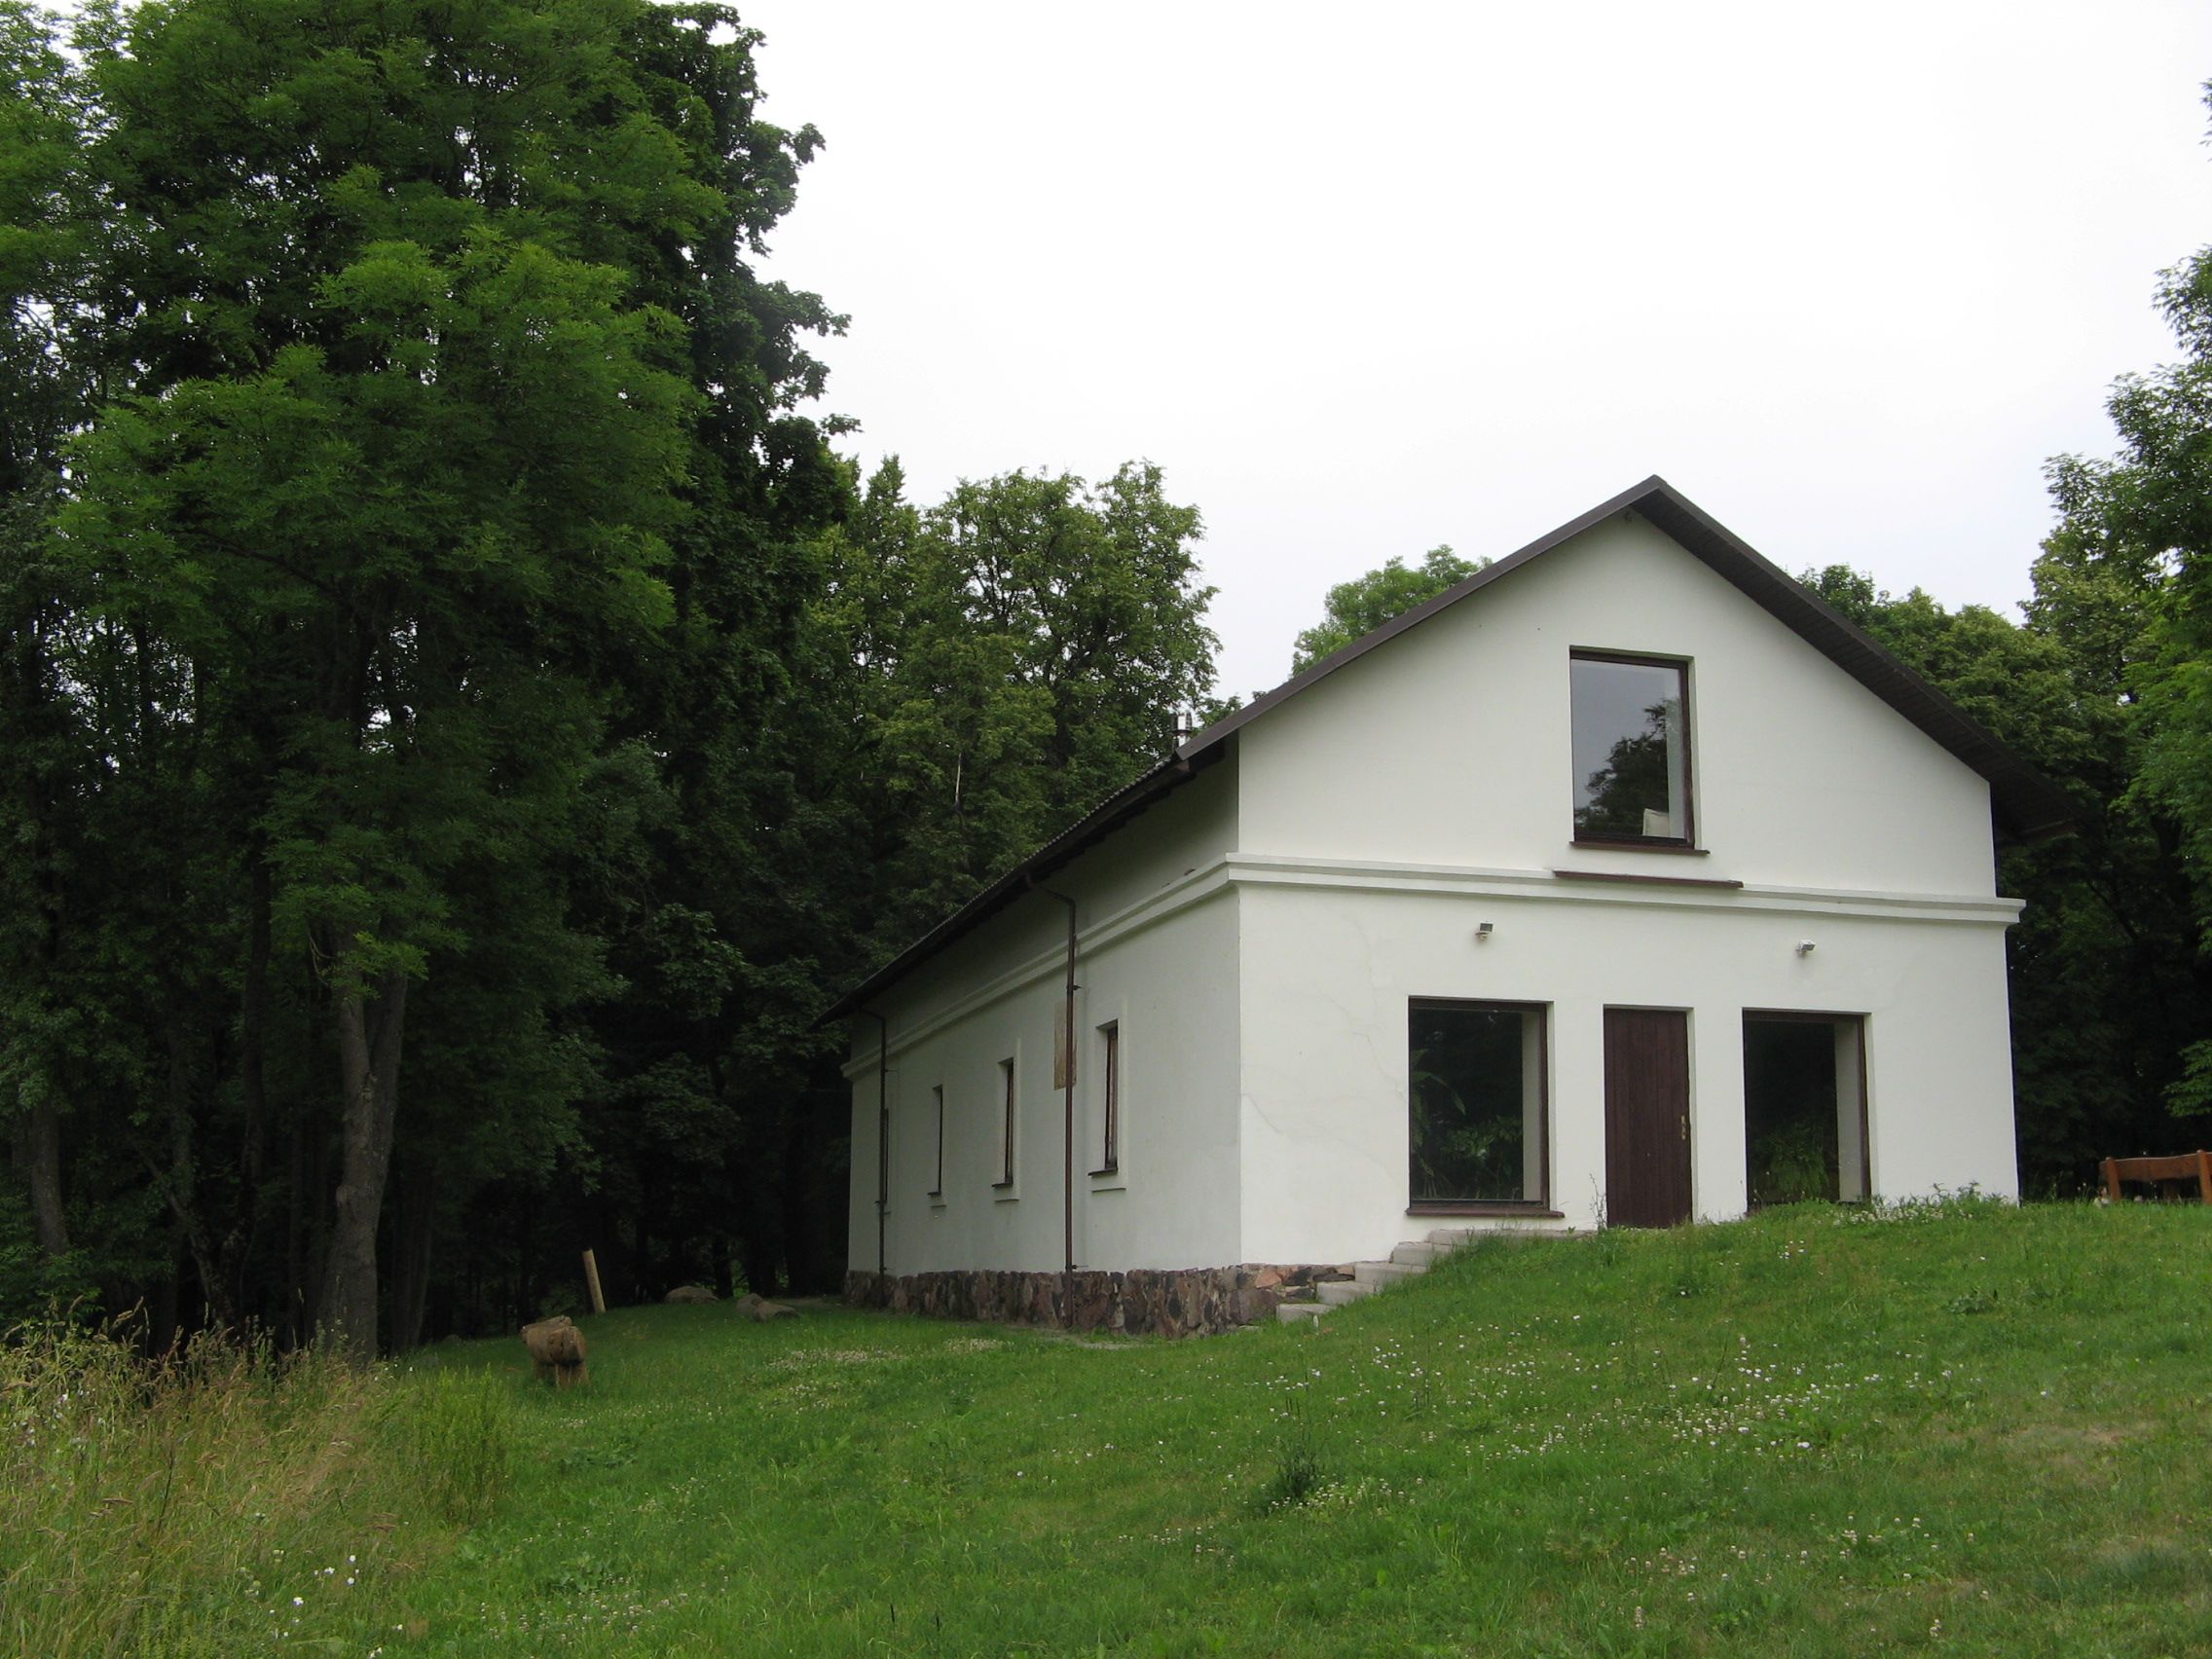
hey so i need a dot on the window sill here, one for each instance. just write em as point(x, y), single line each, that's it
point(1110, 1170)
point(1534, 1212)
point(1645, 879)
point(1003, 1193)
point(1679, 848)
point(937, 1200)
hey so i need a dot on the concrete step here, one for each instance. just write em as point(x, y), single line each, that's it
point(1296, 1312)
point(1419, 1253)
point(1337, 1292)
point(1451, 1238)
point(1383, 1272)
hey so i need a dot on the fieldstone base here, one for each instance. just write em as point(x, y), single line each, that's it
point(1142, 1302)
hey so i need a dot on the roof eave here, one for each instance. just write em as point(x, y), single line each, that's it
point(1061, 850)
point(2025, 806)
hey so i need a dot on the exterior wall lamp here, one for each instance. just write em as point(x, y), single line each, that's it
point(1804, 947)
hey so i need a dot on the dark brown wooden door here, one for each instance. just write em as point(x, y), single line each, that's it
point(1647, 1116)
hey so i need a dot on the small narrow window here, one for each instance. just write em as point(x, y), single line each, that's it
point(1632, 749)
point(883, 1157)
point(1477, 1099)
point(1110, 1097)
point(1006, 1139)
point(936, 1187)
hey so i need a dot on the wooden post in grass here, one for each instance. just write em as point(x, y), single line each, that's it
point(591, 1282)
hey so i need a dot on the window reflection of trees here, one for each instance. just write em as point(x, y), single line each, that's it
point(1637, 778)
point(1468, 1119)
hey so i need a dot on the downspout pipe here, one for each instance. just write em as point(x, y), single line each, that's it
point(1067, 1103)
point(882, 1137)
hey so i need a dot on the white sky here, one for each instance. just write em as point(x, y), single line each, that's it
point(1363, 279)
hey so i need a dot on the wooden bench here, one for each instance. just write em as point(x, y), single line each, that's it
point(2188, 1167)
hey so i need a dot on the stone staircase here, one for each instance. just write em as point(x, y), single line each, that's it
point(1367, 1278)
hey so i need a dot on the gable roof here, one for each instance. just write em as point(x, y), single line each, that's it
point(2026, 805)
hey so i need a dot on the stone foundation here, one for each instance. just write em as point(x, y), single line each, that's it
point(1152, 1302)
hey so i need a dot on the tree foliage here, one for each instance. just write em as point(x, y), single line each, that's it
point(1359, 607)
point(2100, 965)
point(2128, 578)
point(460, 722)
point(442, 399)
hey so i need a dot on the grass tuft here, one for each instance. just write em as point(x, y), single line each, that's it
point(1301, 1473)
point(205, 1501)
point(461, 1426)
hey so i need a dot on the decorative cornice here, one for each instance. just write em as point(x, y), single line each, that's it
point(1261, 871)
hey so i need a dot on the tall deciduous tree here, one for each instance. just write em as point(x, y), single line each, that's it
point(1023, 648)
point(2100, 963)
point(1361, 606)
point(2128, 576)
point(451, 394)
point(44, 329)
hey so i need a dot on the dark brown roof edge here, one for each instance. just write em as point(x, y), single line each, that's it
point(1419, 614)
point(1101, 821)
point(2026, 805)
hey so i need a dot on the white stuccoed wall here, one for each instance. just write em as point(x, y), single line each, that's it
point(1450, 744)
point(1331, 956)
point(1157, 929)
point(1389, 808)
point(1259, 931)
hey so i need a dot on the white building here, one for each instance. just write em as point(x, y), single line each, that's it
point(1625, 882)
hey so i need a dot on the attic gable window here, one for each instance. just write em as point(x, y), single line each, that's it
point(1632, 749)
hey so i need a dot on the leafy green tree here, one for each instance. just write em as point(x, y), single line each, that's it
point(2129, 574)
point(45, 322)
point(979, 673)
point(1017, 653)
point(1359, 607)
point(2101, 964)
point(433, 312)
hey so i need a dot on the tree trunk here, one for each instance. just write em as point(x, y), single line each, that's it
point(725, 1282)
point(182, 1184)
point(415, 1209)
point(38, 1149)
point(295, 1228)
point(368, 1057)
point(253, 1022)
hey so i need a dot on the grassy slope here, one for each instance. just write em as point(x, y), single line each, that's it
point(1984, 1430)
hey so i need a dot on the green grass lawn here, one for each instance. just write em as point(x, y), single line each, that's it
point(1979, 1431)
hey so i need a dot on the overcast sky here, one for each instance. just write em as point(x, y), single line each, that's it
point(1363, 279)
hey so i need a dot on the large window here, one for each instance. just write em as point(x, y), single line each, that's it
point(1477, 1100)
point(1804, 1107)
point(1632, 749)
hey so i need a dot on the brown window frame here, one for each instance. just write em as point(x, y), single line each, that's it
point(1110, 1089)
point(1540, 1204)
point(1005, 1178)
point(1686, 842)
